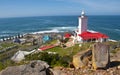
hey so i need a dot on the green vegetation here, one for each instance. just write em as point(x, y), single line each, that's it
point(63, 56)
point(114, 46)
point(8, 63)
point(50, 42)
point(8, 49)
point(1, 66)
point(64, 51)
point(6, 44)
point(51, 59)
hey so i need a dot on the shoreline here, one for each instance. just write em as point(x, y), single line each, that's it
point(40, 33)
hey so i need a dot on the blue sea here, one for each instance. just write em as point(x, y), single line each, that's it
point(109, 25)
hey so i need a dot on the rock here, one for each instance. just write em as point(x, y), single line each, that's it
point(100, 56)
point(118, 67)
point(36, 67)
point(56, 72)
point(81, 59)
point(20, 55)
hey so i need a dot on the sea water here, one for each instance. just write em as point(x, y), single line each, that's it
point(109, 25)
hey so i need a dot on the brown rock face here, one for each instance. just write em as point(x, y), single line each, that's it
point(34, 68)
point(100, 56)
point(81, 59)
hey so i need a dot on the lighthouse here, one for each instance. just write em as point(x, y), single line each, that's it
point(82, 34)
point(82, 24)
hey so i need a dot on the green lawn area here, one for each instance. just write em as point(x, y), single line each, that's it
point(50, 42)
point(71, 50)
point(62, 58)
point(65, 51)
point(6, 44)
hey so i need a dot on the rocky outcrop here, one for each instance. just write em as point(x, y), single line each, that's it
point(20, 55)
point(81, 59)
point(36, 67)
point(96, 58)
point(100, 56)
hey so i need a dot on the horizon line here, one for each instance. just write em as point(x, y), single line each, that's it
point(53, 16)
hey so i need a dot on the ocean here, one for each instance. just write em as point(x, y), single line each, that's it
point(109, 25)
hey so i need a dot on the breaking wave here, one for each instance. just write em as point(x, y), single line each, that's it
point(56, 30)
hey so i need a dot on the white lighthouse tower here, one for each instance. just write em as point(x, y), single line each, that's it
point(82, 26)
point(82, 34)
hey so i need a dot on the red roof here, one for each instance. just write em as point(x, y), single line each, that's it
point(47, 47)
point(67, 35)
point(90, 35)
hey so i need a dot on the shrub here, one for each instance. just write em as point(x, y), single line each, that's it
point(51, 59)
point(1, 66)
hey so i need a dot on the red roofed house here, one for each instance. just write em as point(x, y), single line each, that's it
point(67, 35)
point(82, 34)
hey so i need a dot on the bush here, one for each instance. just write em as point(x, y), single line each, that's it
point(1, 66)
point(63, 61)
point(51, 59)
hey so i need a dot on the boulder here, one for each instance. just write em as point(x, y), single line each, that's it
point(20, 55)
point(36, 67)
point(100, 56)
point(81, 59)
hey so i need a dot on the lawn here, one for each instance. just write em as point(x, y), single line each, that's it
point(62, 58)
point(4, 45)
point(70, 51)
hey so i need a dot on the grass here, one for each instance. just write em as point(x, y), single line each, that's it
point(6, 44)
point(71, 50)
point(62, 58)
point(64, 51)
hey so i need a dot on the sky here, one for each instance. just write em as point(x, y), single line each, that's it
point(21, 8)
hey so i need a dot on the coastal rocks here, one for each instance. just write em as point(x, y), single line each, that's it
point(20, 55)
point(36, 67)
point(81, 59)
point(100, 56)
point(61, 71)
point(96, 58)
point(58, 72)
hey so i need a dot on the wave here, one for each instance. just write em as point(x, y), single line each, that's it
point(64, 28)
point(92, 31)
point(46, 31)
point(8, 32)
point(112, 40)
point(117, 30)
point(56, 30)
point(4, 35)
point(108, 29)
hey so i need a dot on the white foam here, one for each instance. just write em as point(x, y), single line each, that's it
point(65, 28)
point(117, 29)
point(56, 30)
point(112, 40)
point(47, 31)
point(4, 35)
point(8, 32)
point(92, 31)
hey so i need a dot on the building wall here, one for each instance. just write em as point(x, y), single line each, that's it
point(82, 24)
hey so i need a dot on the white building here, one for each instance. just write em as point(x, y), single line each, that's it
point(82, 26)
point(82, 33)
